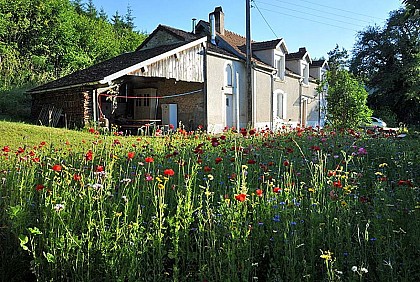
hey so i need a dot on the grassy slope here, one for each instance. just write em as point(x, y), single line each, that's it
point(15, 134)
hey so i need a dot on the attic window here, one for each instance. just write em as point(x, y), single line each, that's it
point(305, 73)
point(279, 64)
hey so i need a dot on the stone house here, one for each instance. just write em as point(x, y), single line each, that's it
point(190, 79)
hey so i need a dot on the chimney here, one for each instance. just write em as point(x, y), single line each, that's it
point(220, 20)
point(302, 50)
point(212, 28)
point(193, 25)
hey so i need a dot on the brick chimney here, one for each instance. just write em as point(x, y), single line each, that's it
point(302, 50)
point(219, 18)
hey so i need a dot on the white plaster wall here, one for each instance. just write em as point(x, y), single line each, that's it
point(216, 109)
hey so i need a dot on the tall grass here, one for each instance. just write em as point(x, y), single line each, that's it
point(259, 206)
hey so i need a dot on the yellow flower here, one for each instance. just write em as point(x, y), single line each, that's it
point(327, 255)
point(161, 186)
point(343, 203)
point(158, 179)
point(378, 173)
point(210, 177)
point(118, 214)
point(383, 165)
point(311, 190)
point(244, 167)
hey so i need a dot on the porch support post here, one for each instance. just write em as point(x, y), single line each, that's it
point(95, 106)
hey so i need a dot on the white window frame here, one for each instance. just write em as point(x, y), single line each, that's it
point(305, 72)
point(277, 94)
point(280, 65)
point(228, 73)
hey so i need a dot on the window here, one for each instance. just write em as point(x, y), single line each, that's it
point(279, 64)
point(228, 75)
point(279, 105)
point(305, 73)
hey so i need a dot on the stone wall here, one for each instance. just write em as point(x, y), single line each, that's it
point(191, 108)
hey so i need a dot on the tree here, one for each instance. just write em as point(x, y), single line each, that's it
point(129, 18)
point(388, 61)
point(346, 99)
point(412, 7)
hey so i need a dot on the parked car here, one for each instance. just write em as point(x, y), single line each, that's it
point(376, 123)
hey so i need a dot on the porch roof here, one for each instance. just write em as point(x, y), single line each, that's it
point(94, 75)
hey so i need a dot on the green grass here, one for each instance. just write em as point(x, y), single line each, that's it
point(285, 206)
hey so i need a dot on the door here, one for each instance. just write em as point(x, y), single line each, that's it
point(229, 110)
point(144, 105)
point(304, 112)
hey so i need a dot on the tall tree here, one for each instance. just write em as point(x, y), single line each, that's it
point(129, 18)
point(388, 60)
point(91, 10)
point(347, 97)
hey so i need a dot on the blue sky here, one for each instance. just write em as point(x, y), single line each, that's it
point(317, 25)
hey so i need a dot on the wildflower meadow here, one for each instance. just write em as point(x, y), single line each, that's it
point(299, 204)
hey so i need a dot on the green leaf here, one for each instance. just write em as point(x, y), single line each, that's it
point(35, 231)
point(23, 241)
point(50, 257)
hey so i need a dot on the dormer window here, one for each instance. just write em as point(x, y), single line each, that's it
point(228, 75)
point(280, 65)
point(305, 73)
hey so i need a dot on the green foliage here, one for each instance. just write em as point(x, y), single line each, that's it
point(346, 100)
point(388, 60)
point(15, 104)
point(45, 39)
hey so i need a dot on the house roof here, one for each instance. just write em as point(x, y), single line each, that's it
point(299, 55)
point(265, 45)
point(320, 64)
point(238, 45)
point(179, 34)
point(94, 74)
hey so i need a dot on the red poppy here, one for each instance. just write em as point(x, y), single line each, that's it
point(252, 132)
point(91, 130)
point(42, 143)
point(337, 184)
point(259, 192)
point(240, 197)
point(207, 169)
point(218, 160)
point(405, 182)
point(117, 142)
point(39, 187)
point(130, 155)
point(223, 137)
point(331, 173)
point(251, 161)
point(56, 167)
point(276, 189)
point(149, 160)
point(99, 168)
point(286, 163)
point(20, 150)
point(89, 155)
point(169, 172)
point(77, 177)
point(35, 160)
point(6, 149)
